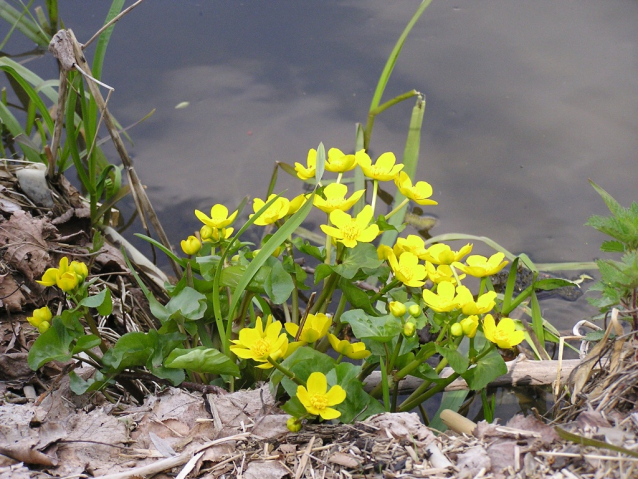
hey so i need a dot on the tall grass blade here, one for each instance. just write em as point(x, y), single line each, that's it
point(359, 180)
point(24, 24)
point(389, 66)
point(410, 163)
point(14, 127)
point(33, 96)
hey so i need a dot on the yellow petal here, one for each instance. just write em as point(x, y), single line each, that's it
point(317, 384)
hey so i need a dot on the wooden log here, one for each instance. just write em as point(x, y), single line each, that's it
point(520, 372)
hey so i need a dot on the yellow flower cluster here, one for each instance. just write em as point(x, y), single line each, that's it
point(215, 227)
point(261, 344)
point(66, 276)
point(41, 319)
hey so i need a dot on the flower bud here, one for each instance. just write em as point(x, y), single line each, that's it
point(397, 309)
point(414, 310)
point(293, 424)
point(456, 329)
point(409, 329)
point(470, 325)
point(80, 269)
point(191, 245)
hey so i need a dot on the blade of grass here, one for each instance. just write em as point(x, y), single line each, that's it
point(410, 163)
point(33, 96)
point(359, 180)
point(24, 24)
point(387, 70)
point(14, 127)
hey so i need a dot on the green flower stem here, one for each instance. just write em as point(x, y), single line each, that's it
point(384, 385)
point(391, 285)
point(375, 111)
point(243, 308)
point(339, 176)
point(339, 358)
point(375, 190)
point(422, 393)
point(397, 209)
point(483, 286)
point(93, 327)
point(326, 293)
point(395, 353)
point(366, 370)
point(286, 372)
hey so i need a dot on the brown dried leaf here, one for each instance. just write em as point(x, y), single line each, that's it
point(266, 470)
point(14, 366)
point(23, 238)
point(344, 460)
point(404, 425)
point(472, 461)
point(531, 424)
point(10, 295)
point(27, 454)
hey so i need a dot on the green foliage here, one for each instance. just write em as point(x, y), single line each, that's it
point(618, 284)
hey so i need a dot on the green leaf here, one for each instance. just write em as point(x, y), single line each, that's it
point(303, 362)
point(383, 328)
point(279, 284)
point(356, 297)
point(294, 407)
point(202, 360)
point(132, 349)
point(457, 361)
point(309, 249)
point(101, 301)
point(79, 386)
point(55, 344)
point(487, 370)
point(85, 343)
point(188, 304)
point(452, 400)
point(358, 403)
point(549, 284)
point(364, 255)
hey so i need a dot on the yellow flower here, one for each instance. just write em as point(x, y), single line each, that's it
point(308, 171)
point(218, 217)
point(335, 194)
point(191, 245)
point(408, 270)
point(384, 252)
point(41, 319)
point(214, 235)
point(456, 329)
point(441, 253)
point(296, 203)
point(413, 244)
point(504, 335)
point(338, 162)
point(275, 212)
point(383, 170)
point(315, 327)
point(482, 305)
point(317, 399)
point(351, 230)
point(440, 274)
point(79, 269)
point(419, 193)
point(409, 328)
point(470, 325)
point(444, 300)
point(65, 277)
point(480, 266)
point(261, 343)
point(348, 349)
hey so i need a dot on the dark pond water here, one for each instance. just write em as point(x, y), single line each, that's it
point(525, 102)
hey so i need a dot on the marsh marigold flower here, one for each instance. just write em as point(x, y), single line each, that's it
point(444, 300)
point(338, 162)
point(275, 212)
point(308, 171)
point(349, 230)
point(261, 343)
point(191, 245)
point(483, 304)
point(504, 335)
point(480, 266)
point(41, 319)
point(348, 349)
point(215, 235)
point(315, 327)
point(219, 217)
point(335, 194)
point(420, 192)
point(441, 253)
point(383, 170)
point(441, 273)
point(397, 309)
point(407, 269)
point(66, 277)
point(413, 244)
point(317, 399)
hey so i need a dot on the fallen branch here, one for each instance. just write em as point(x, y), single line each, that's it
point(520, 373)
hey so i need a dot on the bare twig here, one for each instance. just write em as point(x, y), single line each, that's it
point(113, 20)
